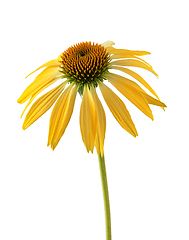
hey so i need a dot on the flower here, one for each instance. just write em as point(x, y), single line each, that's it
point(84, 67)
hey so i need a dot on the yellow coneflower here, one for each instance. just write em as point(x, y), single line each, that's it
point(84, 67)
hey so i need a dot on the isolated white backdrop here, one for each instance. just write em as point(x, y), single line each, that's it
point(57, 195)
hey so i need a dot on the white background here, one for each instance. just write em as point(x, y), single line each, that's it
point(46, 195)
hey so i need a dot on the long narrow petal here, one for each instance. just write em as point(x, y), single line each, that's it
point(57, 116)
point(101, 123)
point(149, 99)
point(88, 120)
point(35, 86)
point(133, 63)
point(153, 101)
point(65, 117)
point(47, 71)
point(113, 50)
point(116, 56)
point(54, 63)
point(129, 90)
point(42, 105)
point(37, 93)
point(137, 77)
point(118, 109)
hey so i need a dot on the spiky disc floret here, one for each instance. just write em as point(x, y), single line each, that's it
point(85, 63)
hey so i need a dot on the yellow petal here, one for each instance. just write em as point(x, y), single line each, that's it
point(60, 116)
point(118, 109)
point(133, 63)
point(122, 52)
point(129, 90)
point(149, 99)
point(101, 123)
point(41, 83)
point(117, 56)
point(153, 101)
point(47, 71)
point(88, 120)
point(137, 77)
point(42, 105)
point(50, 63)
point(35, 95)
point(65, 117)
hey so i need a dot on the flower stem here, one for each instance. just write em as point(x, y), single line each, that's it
point(105, 195)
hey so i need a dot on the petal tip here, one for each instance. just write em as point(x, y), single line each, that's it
point(135, 134)
point(24, 127)
point(19, 100)
point(108, 43)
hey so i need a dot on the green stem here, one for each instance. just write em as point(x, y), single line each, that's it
point(105, 196)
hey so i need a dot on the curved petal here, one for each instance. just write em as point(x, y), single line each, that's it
point(116, 56)
point(137, 77)
point(118, 109)
point(54, 63)
point(123, 52)
point(42, 105)
point(108, 44)
point(88, 120)
point(41, 83)
point(153, 101)
point(101, 123)
point(131, 92)
point(133, 63)
point(37, 93)
point(47, 71)
point(61, 115)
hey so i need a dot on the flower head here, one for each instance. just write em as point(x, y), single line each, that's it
point(84, 67)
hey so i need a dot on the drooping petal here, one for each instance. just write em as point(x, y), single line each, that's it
point(133, 63)
point(47, 71)
point(149, 99)
point(88, 120)
point(116, 56)
point(37, 93)
point(137, 77)
point(108, 44)
point(61, 115)
point(54, 63)
point(118, 109)
point(101, 122)
point(123, 52)
point(129, 90)
point(42, 105)
point(41, 83)
point(64, 118)
point(153, 101)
